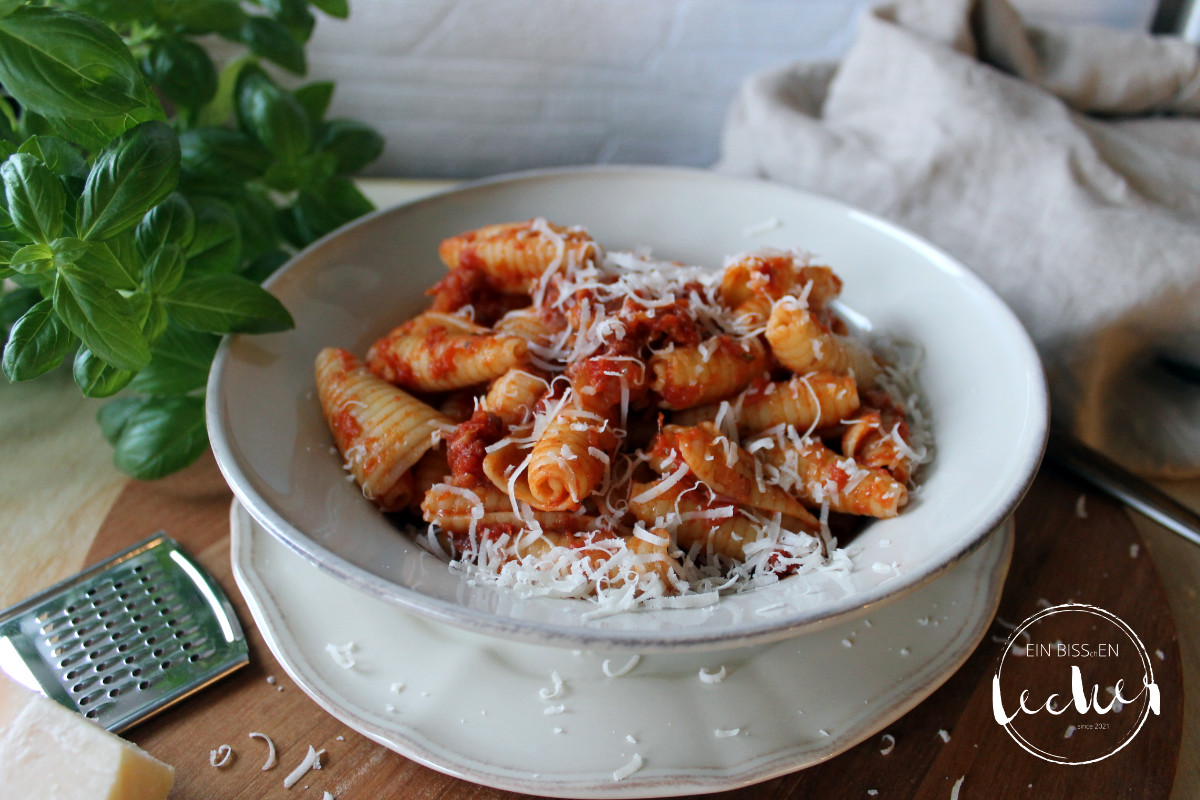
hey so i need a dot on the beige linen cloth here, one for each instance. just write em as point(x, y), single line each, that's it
point(1062, 165)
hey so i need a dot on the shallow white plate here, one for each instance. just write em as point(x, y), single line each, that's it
point(486, 710)
point(981, 377)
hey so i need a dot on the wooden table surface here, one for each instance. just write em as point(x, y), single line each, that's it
point(58, 485)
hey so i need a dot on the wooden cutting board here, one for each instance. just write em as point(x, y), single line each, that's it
point(1085, 550)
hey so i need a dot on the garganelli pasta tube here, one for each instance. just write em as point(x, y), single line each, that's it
point(803, 401)
point(514, 255)
point(439, 359)
point(821, 476)
point(572, 421)
point(380, 430)
point(712, 370)
point(570, 457)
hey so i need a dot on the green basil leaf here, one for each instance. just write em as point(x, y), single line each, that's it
point(124, 249)
point(156, 320)
point(172, 220)
point(68, 251)
point(151, 315)
point(293, 15)
point(43, 282)
point(37, 343)
point(272, 116)
point(274, 42)
point(315, 98)
point(35, 198)
point(100, 261)
point(311, 169)
point(164, 269)
point(226, 304)
point(322, 209)
point(222, 154)
point(133, 174)
point(94, 134)
point(162, 435)
point(14, 304)
point(7, 251)
point(180, 363)
point(60, 156)
point(9, 6)
point(217, 244)
point(265, 265)
point(114, 416)
point(206, 16)
point(339, 9)
point(63, 64)
point(353, 144)
point(32, 259)
point(112, 10)
point(95, 377)
point(101, 318)
point(220, 109)
point(182, 70)
point(257, 219)
point(8, 121)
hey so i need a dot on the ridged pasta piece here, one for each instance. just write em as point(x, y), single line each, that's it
point(515, 254)
point(571, 456)
point(753, 282)
point(802, 344)
point(529, 324)
point(700, 521)
point(380, 430)
point(653, 558)
point(513, 396)
point(879, 437)
point(596, 559)
point(501, 464)
point(804, 401)
point(437, 360)
point(713, 370)
point(732, 471)
point(428, 321)
point(432, 468)
point(818, 475)
point(459, 510)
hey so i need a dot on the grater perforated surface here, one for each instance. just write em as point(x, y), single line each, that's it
point(125, 638)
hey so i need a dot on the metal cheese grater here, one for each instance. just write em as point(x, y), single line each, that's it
point(125, 638)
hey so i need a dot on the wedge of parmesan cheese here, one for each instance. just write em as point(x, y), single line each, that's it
point(52, 753)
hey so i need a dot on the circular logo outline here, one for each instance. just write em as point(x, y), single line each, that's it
point(1148, 678)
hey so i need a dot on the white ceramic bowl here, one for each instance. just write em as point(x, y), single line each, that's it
point(981, 377)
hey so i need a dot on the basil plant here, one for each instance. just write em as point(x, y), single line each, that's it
point(147, 193)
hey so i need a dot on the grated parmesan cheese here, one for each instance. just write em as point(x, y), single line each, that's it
point(342, 655)
point(312, 760)
point(633, 766)
point(270, 762)
point(555, 689)
point(633, 661)
point(220, 757)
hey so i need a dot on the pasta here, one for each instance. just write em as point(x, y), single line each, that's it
point(576, 422)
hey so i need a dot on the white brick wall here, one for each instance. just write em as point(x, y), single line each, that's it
point(462, 88)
